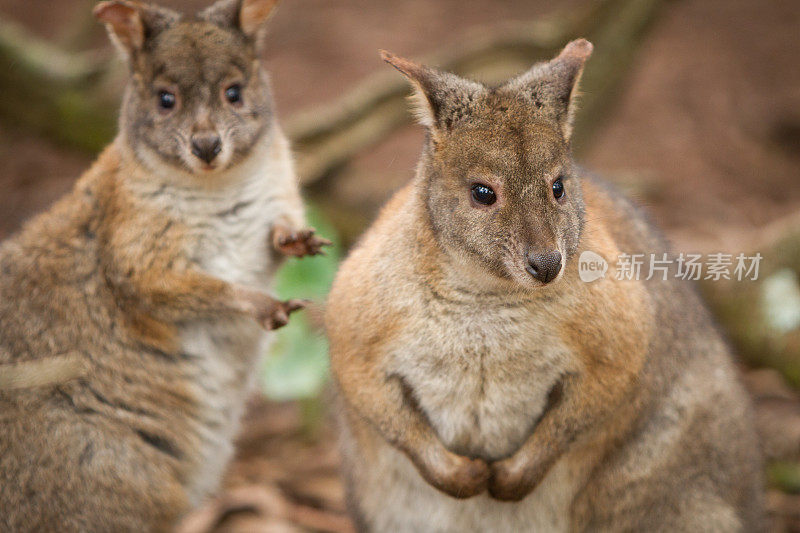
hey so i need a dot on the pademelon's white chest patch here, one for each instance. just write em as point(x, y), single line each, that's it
point(229, 233)
point(481, 374)
point(232, 246)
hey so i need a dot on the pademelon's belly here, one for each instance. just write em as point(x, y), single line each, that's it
point(223, 356)
point(482, 378)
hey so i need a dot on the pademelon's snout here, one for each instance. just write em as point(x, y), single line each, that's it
point(544, 266)
point(206, 146)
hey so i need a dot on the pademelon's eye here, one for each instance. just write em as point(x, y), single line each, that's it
point(558, 188)
point(233, 94)
point(166, 100)
point(483, 194)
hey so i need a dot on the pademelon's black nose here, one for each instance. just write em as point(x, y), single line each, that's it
point(206, 147)
point(544, 266)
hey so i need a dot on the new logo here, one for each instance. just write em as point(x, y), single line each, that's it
point(591, 266)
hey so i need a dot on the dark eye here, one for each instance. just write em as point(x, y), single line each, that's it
point(483, 194)
point(233, 94)
point(558, 189)
point(166, 100)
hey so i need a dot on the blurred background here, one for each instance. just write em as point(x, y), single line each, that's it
point(691, 106)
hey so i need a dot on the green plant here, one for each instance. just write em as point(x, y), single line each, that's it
point(297, 366)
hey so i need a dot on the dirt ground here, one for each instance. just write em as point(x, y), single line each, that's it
point(705, 134)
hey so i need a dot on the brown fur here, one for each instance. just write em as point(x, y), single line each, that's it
point(566, 405)
point(130, 311)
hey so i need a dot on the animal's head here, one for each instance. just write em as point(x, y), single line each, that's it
point(198, 98)
point(499, 182)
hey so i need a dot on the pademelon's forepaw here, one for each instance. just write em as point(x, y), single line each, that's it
point(511, 482)
point(275, 314)
point(299, 243)
point(458, 476)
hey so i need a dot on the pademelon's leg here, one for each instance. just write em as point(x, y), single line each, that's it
point(78, 474)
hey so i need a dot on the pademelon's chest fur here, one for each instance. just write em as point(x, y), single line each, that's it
point(481, 372)
point(228, 237)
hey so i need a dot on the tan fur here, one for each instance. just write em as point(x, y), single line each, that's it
point(132, 313)
point(52, 371)
point(476, 398)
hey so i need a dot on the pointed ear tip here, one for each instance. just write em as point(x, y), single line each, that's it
point(405, 66)
point(396, 61)
point(109, 8)
point(268, 4)
point(579, 48)
point(387, 55)
point(254, 14)
point(100, 9)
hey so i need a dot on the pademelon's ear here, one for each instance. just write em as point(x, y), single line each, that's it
point(249, 16)
point(131, 23)
point(552, 87)
point(440, 98)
